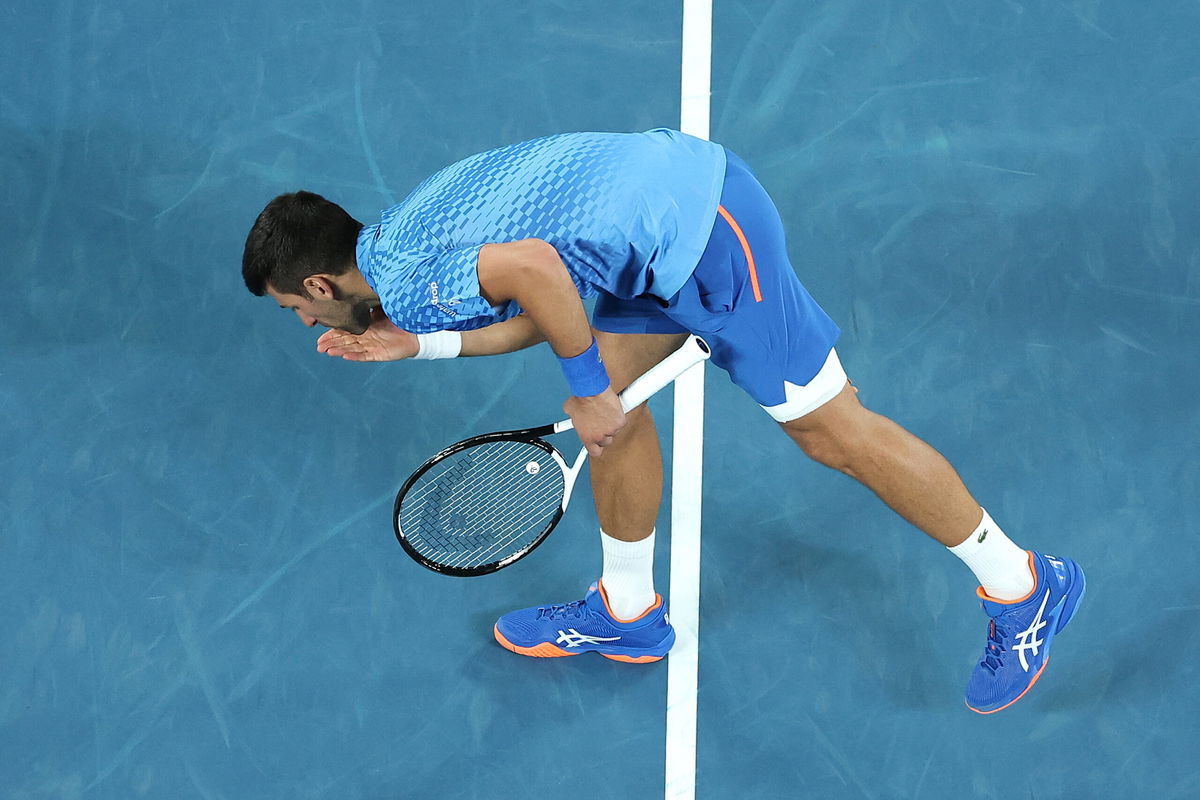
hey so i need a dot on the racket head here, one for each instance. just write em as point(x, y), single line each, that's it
point(481, 504)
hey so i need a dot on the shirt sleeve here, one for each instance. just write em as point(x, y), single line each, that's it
point(441, 292)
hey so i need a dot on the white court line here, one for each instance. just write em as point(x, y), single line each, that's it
point(688, 449)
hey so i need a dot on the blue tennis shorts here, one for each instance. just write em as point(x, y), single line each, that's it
point(743, 298)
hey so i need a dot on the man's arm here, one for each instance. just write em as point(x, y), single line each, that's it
point(383, 341)
point(532, 273)
point(503, 337)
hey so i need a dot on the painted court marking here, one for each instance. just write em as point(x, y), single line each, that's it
point(687, 449)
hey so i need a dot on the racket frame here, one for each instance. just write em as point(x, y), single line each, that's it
point(694, 350)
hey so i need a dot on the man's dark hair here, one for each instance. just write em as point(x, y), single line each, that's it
point(295, 236)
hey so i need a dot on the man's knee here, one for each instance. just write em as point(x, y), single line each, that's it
point(836, 434)
point(825, 446)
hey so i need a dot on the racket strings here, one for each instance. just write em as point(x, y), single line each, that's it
point(481, 518)
point(471, 481)
point(482, 503)
point(478, 492)
point(500, 529)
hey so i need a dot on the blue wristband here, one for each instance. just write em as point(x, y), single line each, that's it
point(585, 373)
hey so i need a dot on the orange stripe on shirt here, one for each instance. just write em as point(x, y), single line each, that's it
point(745, 248)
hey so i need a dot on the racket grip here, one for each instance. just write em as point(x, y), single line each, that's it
point(693, 351)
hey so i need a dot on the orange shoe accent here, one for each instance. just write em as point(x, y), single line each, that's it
point(1033, 571)
point(1018, 697)
point(633, 659)
point(737, 230)
point(543, 650)
point(604, 596)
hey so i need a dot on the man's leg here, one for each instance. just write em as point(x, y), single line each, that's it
point(627, 479)
point(621, 617)
point(1028, 596)
point(915, 480)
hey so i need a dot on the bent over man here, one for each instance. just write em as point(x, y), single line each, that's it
point(671, 234)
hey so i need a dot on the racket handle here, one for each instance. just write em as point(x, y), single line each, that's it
point(693, 351)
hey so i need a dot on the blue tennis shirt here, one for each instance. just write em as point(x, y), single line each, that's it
point(629, 213)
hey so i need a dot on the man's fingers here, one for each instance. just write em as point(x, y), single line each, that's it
point(347, 346)
point(329, 340)
point(596, 448)
point(344, 350)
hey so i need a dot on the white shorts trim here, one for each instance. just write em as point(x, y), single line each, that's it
point(801, 400)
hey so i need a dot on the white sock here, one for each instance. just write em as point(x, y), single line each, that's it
point(628, 575)
point(1001, 567)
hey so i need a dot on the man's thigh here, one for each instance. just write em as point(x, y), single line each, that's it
point(629, 355)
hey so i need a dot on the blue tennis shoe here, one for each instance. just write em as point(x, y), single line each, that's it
point(1020, 633)
point(587, 626)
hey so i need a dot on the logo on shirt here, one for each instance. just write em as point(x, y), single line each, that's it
point(435, 299)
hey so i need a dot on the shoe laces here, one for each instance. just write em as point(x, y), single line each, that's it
point(572, 609)
point(993, 654)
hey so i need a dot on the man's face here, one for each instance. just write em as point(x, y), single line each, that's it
point(326, 306)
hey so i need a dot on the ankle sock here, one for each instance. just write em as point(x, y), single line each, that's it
point(628, 575)
point(1001, 567)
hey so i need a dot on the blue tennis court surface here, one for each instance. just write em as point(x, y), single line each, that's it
point(201, 593)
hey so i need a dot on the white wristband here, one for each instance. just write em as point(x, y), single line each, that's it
point(439, 344)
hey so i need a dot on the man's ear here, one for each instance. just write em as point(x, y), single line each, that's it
point(320, 287)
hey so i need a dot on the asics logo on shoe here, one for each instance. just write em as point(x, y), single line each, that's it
point(1028, 638)
point(573, 638)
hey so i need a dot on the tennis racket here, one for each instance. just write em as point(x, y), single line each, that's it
point(488, 501)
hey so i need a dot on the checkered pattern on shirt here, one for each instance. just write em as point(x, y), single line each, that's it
point(575, 191)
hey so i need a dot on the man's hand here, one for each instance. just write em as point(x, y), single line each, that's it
point(597, 419)
point(382, 341)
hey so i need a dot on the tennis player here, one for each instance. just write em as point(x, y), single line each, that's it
point(671, 234)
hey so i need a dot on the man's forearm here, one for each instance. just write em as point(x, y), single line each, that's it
point(503, 337)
